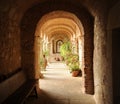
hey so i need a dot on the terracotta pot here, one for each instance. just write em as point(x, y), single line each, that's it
point(75, 73)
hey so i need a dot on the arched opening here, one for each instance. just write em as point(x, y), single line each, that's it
point(18, 24)
point(29, 40)
point(58, 44)
point(52, 28)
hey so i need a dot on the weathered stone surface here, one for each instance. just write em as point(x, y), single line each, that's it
point(10, 44)
point(17, 38)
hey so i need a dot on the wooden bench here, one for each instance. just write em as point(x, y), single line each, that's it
point(21, 94)
point(17, 88)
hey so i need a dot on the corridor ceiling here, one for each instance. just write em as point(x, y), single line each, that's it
point(59, 23)
point(19, 10)
point(21, 6)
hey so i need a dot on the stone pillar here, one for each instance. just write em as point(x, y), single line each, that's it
point(102, 70)
point(37, 58)
point(88, 62)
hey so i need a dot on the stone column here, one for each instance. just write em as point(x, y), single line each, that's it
point(37, 58)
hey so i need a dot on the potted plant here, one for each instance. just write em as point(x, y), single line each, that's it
point(71, 59)
point(75, 69)
point(74, 65)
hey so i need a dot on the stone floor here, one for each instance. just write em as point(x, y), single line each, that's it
point(59, 87)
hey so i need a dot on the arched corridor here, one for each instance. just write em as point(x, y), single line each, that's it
point(59, 87)
point(30, 29)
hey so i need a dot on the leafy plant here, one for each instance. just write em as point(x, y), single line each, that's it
point(71, 59)
point(74, 62)
point(65, 49)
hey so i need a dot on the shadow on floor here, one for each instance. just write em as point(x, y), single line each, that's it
point(59, 87)
point(44, 98)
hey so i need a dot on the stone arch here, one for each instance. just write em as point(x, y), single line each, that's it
point(58, 43)
point(61, 14)
point(28, 39)
point(58, 23)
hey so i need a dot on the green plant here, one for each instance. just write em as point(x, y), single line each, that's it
point(65, 49)
point(74, 66)
point(71, 59)
point(74, 62)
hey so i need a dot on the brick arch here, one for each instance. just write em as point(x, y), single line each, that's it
point(28, 26)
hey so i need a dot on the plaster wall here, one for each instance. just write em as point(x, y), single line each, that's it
point(102, 59)
point(114, 17)
point(10, 55)
point(113, 24)
point(10, 52)
point(104, 23)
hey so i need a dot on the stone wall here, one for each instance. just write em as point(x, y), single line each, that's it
point(10, 56)
point(28, 26)
point(114, 23)
point(102, 72)
point(100, 62)
point(88, 60)
point(10, 51)
point(114, 17)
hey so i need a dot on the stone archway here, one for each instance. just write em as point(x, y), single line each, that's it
point(59, 25)
point(28, 39)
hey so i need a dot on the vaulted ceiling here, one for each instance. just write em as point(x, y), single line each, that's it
point(21, 6)
point(34, 10)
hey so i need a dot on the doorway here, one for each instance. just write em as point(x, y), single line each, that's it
point(116, 65)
